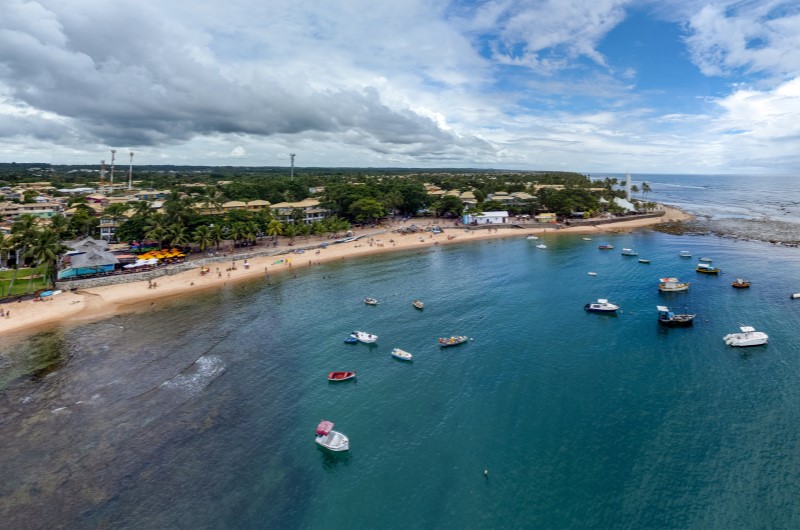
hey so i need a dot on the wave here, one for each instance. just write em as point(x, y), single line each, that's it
point(198, 375)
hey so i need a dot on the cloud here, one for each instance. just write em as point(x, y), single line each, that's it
point(757, 37)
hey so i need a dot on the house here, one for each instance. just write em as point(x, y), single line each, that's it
point(485, 218)
point(89, 256)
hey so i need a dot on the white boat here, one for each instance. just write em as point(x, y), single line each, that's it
point(362, 336)
point(531, 237)
point(685, 254)
point(587, 238)
point(403, 355)
point(629, 252)
point(592, 274)
point(706, 260)
point(795, 295)
point(748, 337)
point(671, 285)
point(541, 245)
point(371, 301)
point(330, 439)
point(601, 306)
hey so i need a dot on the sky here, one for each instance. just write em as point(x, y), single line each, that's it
point(593, 86)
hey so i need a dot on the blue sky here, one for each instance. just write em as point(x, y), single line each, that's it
point(639, 86)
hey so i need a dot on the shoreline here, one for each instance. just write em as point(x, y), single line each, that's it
point(94, 304)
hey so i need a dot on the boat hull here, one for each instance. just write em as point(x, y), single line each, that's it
point(341, 376)
point(677, 321)
point(452, 341)
point(334, 441)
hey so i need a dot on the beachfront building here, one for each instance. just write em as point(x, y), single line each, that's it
point(485, 218)
point(545, 217)
point(309, 208)
point(88, 256)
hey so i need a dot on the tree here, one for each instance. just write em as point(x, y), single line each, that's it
point(203, 237)
point(450, 205)
point(45, 249)
point(275, 229)
point(367, 209)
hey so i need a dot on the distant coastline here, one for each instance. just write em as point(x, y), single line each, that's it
point(73, 307)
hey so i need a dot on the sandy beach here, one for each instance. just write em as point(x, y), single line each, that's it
point(86, 305)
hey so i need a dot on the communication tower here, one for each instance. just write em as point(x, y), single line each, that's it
point(113, 153)
point(130, 174)
point(291, 175)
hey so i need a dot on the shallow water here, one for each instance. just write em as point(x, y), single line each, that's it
point(201, 415)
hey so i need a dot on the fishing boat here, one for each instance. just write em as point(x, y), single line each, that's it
point(532, 237)
point(330, 439)
point(740, 283)
point(361, 336)
point(541, 245)
point(706, 260)
point(403, 355)
point(705, 268)
point(673, 320)
point(671, 285)
point(601, 306)
point(629, 252)
point(371, 301)
point(644, 260)
point(748, 337)
point(685, 254)
point(418, 304)
point(606, 247)
point(341, 376)
point(455, 340)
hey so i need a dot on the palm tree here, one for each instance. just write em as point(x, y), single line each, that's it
point(216, 235)
point(275, 229)
point(290, 231)
point(176, 235)
point(203, 237)
point(45, 249)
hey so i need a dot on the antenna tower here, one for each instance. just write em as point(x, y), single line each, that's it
point(291, 175)
point(113, 153)
point(130, 174)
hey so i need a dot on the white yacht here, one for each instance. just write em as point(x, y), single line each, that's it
point(748, 337)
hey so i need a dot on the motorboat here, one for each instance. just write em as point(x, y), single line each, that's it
point(592, 274)
point(455, 340)
point(705, 268)
point(685, 254)
point(403, 355)
point(362, 336)
point(748, 337)
point(351, 339)
point(606, 247)
point(532, 237)
point(418, 304)
point(673, 320)
point(644, 261)
point(601, 306)
point(341, 376)
point(629, 252)
point(706, 260)
point(795, 295)
point(541, 245)
point(671, 285)
point(330, 439)
point(371, 301)
point(740, 283)
point(586, 238)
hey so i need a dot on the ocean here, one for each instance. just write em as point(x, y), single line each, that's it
point(202, 414)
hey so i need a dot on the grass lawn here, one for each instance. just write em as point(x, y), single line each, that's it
point(22, 284)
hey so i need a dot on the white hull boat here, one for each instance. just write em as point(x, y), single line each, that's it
point(362, 336)
point(541, 245)
point(403, 355)
point(330, 439)
point(601, 306)
point(531, 237)
point(748, 337)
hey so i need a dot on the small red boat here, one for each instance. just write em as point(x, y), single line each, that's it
point(341, 376)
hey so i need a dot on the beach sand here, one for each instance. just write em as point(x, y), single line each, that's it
point(87, 305)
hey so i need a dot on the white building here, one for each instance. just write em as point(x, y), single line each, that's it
point(485, 218)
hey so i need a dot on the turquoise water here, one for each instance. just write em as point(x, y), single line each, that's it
point(202, 414)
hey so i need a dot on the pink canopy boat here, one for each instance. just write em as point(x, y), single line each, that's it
point(330, 439)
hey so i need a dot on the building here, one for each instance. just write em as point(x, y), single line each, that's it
point(485, 218)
